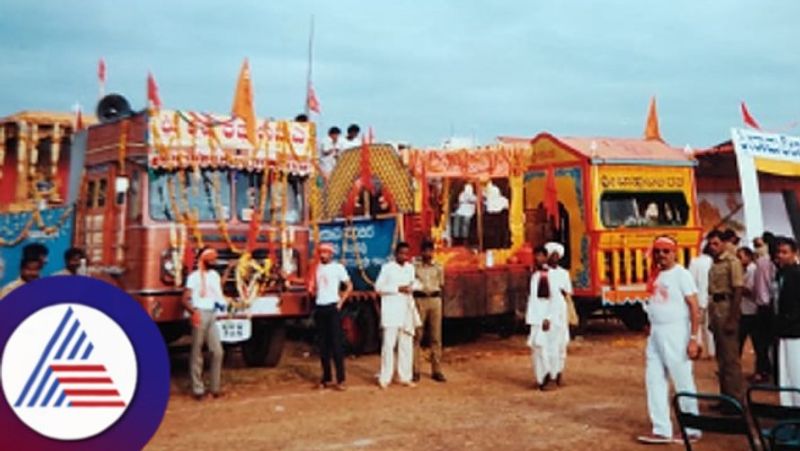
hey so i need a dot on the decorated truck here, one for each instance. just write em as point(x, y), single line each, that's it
point(614, 196)
point(36, 197)
point(604, 199)
point(159, 185)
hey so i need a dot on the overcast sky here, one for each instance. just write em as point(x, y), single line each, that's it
point(421, 71)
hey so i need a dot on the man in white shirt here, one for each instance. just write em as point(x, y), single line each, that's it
point(673, 342)
point(699, 268)
point(462, 219)
point(399, 316)
point(203, 293)
point(328, 280)
point(329, 152)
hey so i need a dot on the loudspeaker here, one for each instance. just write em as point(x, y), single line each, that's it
point(113, 107)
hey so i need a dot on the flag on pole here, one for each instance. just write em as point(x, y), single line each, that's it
point(153, 99)
point(101, 76)
point(78, 123)
point(243, 102)
point(312, 101)
point(651, 131)
point(748, 119)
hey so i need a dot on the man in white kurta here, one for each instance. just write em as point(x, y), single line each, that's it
point(399, 317)
point(547, 317)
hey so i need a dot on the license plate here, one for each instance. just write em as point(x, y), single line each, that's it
point(234, 330)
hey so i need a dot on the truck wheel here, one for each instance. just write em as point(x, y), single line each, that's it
point(506, 325)
point(368, 323)
point(360, 325)
point(633, 317)
point(173, 331)
point(265, 346)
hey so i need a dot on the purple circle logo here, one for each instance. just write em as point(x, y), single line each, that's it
point(82, 366)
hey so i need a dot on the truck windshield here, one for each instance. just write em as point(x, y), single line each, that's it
point(207, 193)
point(643, 209)
point(248, 196)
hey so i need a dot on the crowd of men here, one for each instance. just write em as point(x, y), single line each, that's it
point(728, 294)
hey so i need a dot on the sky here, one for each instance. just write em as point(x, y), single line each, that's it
point(420, 72)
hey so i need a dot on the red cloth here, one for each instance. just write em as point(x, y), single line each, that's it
point(662, 242)
point(551, 195)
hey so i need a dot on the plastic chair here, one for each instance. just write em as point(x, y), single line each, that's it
point(733, 424)
point(785, 436)
point(766, 415)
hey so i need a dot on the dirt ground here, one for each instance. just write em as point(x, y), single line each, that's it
point(487, 403)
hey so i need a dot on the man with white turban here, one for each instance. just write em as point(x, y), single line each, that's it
point(548, 315)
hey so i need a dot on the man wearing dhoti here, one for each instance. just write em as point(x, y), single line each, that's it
point(399, 317)
point(547, 316)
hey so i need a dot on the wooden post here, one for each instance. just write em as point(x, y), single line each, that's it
point(22, 161)
point(55, 151)
point(479, 195)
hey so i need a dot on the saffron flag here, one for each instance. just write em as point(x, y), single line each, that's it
point(101, 76)
point(153, 99)
point(748, 119)
point(78, 125)
point(312, 101)
point(243, 107)
point(651, 131)
point(551, 195)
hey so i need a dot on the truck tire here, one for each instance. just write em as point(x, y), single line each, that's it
point(265, 346)
point(633, 317)
point(360, 328)
point(173, 331)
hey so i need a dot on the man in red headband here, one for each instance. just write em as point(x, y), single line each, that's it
point(329, 278)
point(203, 292)
point(673, 342)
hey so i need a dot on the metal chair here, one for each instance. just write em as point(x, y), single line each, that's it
point(733, 424)
point(766, 415)
point(785, 436)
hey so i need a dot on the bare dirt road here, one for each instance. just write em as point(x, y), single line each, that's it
point(487, 403)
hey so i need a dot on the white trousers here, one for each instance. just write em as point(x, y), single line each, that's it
point(548, 352)
point(394, 337)
point(789, 369)
point(667, 358)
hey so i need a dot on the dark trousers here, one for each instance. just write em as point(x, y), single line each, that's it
point(729, 362)
point(329, 331)
point(757, 327)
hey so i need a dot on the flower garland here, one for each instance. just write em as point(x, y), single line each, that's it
point(37, 220)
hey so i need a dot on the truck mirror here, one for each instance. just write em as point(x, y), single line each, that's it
point(121, 185)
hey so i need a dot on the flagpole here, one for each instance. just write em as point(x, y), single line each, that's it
point(310, 58)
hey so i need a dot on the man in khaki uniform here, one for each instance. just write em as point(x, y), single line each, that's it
point(725, 282)
point(429, 304)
